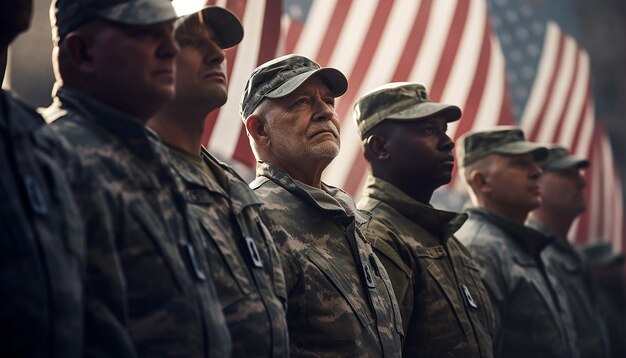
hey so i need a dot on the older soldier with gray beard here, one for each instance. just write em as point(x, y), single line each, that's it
point(340, 300)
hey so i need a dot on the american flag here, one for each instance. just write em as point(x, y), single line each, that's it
point(501, 61)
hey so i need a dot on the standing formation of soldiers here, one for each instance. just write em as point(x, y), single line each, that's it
point(122, 236)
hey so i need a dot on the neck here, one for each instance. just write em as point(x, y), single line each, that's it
point(419, 192)
point(180, 127)
point(310, 173)
point(558, 223)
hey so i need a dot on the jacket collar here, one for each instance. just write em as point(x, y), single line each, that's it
point(121, 126)
point(332, 200)
point(439, 222)
point(531, 240)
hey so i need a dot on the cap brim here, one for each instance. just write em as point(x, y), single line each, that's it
point(224, 23)
point(567, 163)
point(523, 147)
point(333, 78)
point(426, 110)
point(140, 12)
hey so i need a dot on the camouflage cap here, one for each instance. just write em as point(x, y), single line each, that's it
point(67, 15)
point(280, 77)
point(224, 23)
point(473, 146)
point(559, 158)
point(401, 101)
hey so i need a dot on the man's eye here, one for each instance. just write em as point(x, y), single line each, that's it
point(330, 102)
point(185, 42)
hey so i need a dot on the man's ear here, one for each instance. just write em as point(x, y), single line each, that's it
point(255, 125)
point(78, 51)
point(376, 147)
point(480, 182)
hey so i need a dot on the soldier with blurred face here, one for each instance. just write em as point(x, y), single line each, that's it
point(41, 239)
point(562, 200)
point(244, 261)
point(148, 291)
point(532, 318)
point(445, 308)
point(340, 300)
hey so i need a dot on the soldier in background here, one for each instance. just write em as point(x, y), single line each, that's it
point(340, 300)
point(562, 200)
point(531, 314)
point(244, 261)
point(41, 239)
point(608, 270)
point(445, 308)
point(149, 291)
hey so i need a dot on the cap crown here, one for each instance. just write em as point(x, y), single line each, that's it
point(270, 76)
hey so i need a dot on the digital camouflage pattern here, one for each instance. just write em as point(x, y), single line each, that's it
point(41, 245)
point(244, 261)
point(532, 317)
point(445, 308)
point(474, 146)
point(336, 307)
point(398, 101)
point(148, 286)
point(574, 273)
point(283, 75)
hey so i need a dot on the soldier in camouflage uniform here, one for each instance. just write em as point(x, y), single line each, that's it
point(149, 291)
point(445, 308)
point(562, 200)
point(532, 317)
point(41, 239)
point(244, 261)
point(340, 300)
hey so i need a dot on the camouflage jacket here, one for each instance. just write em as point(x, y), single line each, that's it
point(575, 276)
point(148, 288)
point(41, 245)
point(244, 262)
point(340, 300)
point(532, 318)
point(445, 308)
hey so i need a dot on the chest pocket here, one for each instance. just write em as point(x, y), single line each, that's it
point(433, 260)
point(323, 292)
point(217, 227)
point(472, 278)
point(152, 227)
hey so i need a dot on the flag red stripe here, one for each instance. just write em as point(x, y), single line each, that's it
point(414, 43)
point(544, 107)
point(334, 30)
point(448, 56)
point(364, 58)
point(293, 35)
point(359, 170)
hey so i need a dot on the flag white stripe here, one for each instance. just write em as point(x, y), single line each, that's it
point(225, 134)
point(586, 133)
point(320, 14)
point(463, 71)
point(556, 105)
point(545, 71)
point(434, 41)
point(577, 103)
